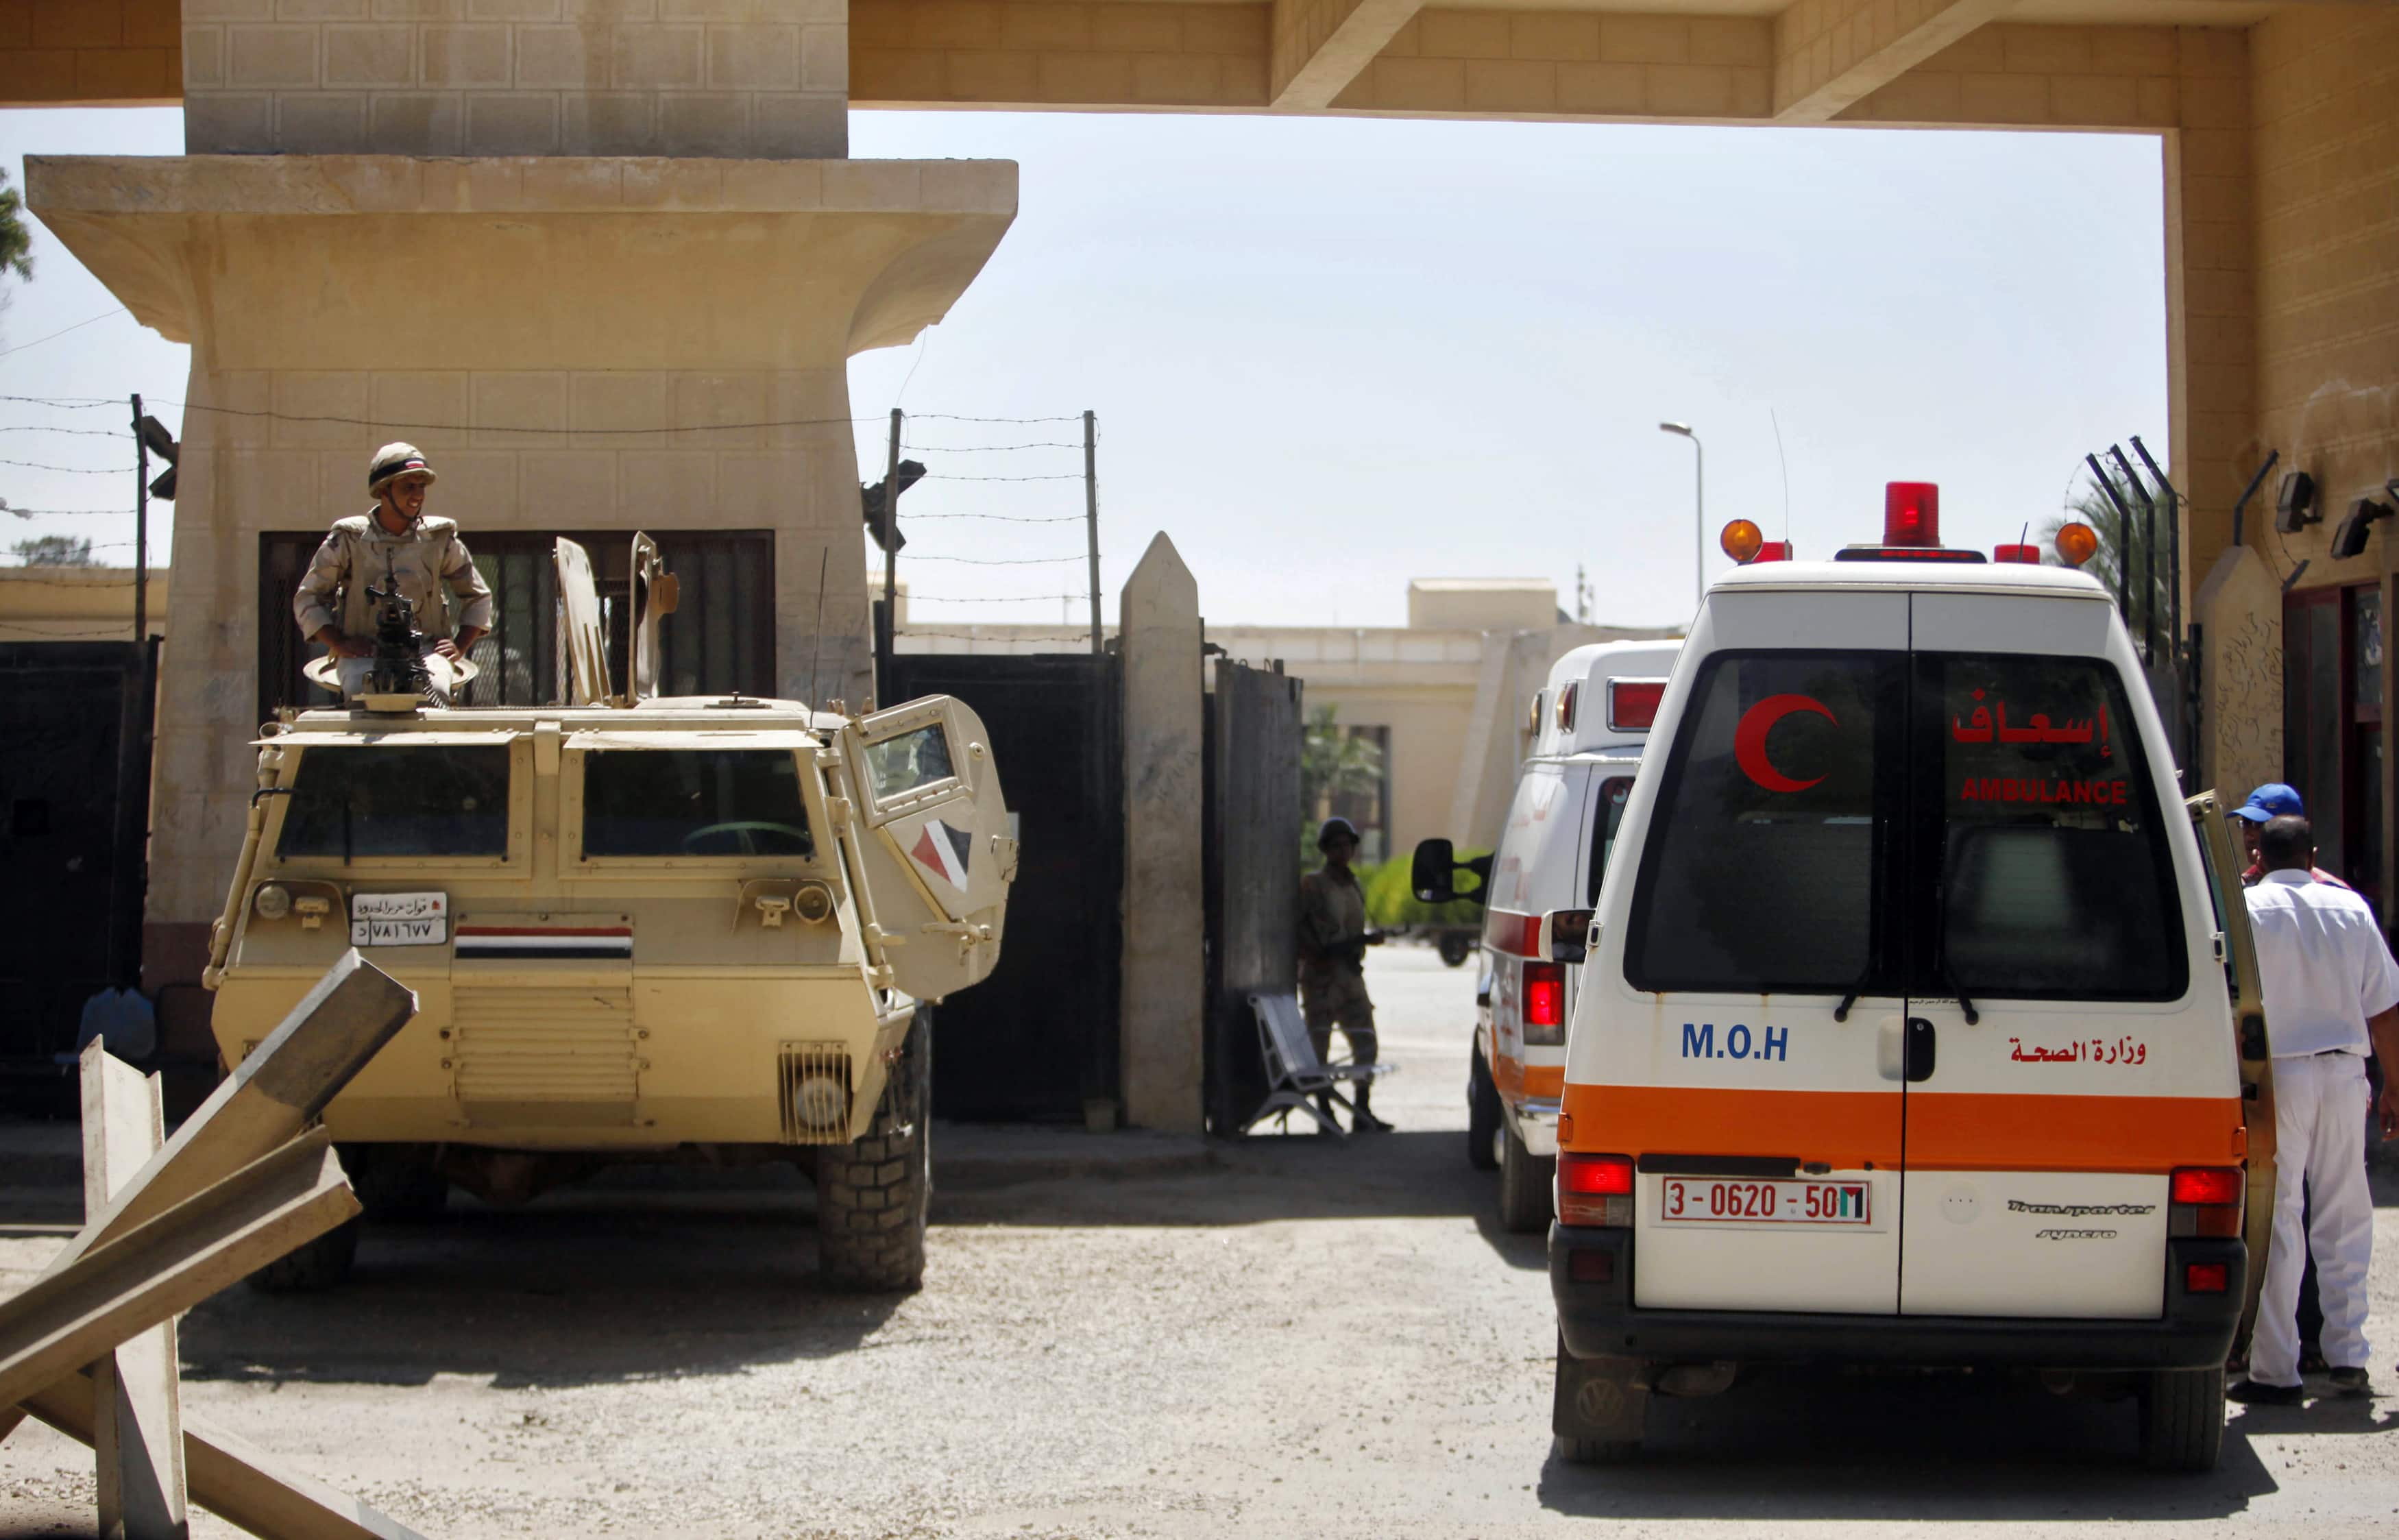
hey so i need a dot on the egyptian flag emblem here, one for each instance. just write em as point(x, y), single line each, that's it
point(942, 850)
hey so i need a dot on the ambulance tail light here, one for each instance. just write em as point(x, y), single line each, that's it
point(2206, 1277)
point(2204, 1200)
point(1595, 1189)
point(1633, 704)
point(1545, 1004)
point(1911, 514)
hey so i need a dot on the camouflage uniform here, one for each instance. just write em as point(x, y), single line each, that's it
point(1332, 962)
point(427, 563)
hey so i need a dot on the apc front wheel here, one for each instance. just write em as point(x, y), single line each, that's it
point(2182, 1418)
point(872, 1194)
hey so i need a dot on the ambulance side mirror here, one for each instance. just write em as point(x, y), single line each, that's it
point(1432, 876)
point(1565, 935)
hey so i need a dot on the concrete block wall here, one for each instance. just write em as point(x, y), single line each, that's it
point(741, 78)
point(2044, 77)
point(2325, 106)
point(91, 53)
point(1158, 54)
point(1540, 62)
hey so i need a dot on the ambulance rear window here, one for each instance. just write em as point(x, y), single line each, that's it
point(2055, 879)
point(1761, 872)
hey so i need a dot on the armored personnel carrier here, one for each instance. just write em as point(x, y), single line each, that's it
point(694, 929)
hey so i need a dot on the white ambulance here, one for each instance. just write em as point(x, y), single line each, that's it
point(1583, 739)
point(1907, 1027)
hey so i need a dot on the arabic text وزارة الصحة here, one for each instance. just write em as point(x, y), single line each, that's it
point(2124, 1050)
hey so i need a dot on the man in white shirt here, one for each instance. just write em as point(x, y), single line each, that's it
point(2332, 1001)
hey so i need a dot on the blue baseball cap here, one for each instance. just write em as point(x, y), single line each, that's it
point(2271, 801)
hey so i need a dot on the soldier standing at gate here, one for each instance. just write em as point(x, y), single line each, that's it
point(422, 555)
point(1333, 942)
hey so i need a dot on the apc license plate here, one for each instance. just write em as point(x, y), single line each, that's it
point(399, 919)
point(1712, 1200)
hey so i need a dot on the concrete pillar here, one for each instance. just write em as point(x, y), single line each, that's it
point(602, 263)
point(2239, 611)
point(2212, 292)
point(1165, 921)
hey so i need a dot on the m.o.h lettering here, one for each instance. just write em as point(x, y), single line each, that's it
point(1700, 1041)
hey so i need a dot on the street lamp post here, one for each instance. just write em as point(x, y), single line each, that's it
point(1700, 511)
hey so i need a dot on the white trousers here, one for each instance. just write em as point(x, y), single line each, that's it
point(2320, 1139)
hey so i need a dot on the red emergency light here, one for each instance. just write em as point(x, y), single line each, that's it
point(1633, 704)
point(2029, 556)
point(1773, 550)
point(1911, 513)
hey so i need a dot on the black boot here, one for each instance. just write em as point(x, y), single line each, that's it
point(1331, 1126)
point(1365, 1122)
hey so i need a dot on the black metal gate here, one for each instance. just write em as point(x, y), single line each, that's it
point(1251, 844)
point(75, 786)
point(1037, 1039)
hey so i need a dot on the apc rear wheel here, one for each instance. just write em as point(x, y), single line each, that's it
point(872, 1192)
point(1524, 1181)
point(2182, 1419)
point(395, 1183)
point(1482, 1115)
point(323, 1262)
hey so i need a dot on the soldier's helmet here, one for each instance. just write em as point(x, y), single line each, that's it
point(392, 461)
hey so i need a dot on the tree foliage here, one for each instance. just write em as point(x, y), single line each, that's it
point(16, 241)
point(55, 550)
point(1334, 763)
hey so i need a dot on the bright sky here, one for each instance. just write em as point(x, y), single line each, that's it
point(1332, 356)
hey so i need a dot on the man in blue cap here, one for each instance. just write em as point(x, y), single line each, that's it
point(2269, 802)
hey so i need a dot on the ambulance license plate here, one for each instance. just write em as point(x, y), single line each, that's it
point(1701, 1201)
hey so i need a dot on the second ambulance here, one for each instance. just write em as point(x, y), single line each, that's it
point(1904, 1035)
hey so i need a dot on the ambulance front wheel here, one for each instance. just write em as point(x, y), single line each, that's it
point(1525, 1180)
point(2182, 1418)
point(1483, 1113)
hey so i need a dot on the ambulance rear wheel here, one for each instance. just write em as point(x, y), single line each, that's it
point(872, 1194)
point(1525, 1180)
point(1482, 1115)
point(2182, 1418)
point(1599, 1409)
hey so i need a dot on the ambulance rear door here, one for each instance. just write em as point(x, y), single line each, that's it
point(1535, 870)
point(1746, 1051)
point(940, 851)
point(2067, 1045)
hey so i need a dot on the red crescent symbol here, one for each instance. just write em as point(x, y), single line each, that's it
point(1749, 739)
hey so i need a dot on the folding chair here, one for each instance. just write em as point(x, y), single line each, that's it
point(1294, 1074)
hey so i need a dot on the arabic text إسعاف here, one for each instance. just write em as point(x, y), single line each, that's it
point(1990, 725)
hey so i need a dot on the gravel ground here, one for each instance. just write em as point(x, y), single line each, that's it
point(1311, 1337)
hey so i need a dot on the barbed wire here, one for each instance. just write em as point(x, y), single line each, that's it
point(996, 560)
point(1001, 518)
point(937, 476)
point(70, 470)
point(70, 403)
point(1083, 635)
point(70, 513)
point(79, 432)
point(980, 449)
point(1004, 599)
point(79, 403)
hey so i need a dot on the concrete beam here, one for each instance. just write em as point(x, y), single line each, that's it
point(234, 1479)
point(155, 1271)
point(1163, 983)
point(139, 1436)
point(1321, 46)
point(1828, 54)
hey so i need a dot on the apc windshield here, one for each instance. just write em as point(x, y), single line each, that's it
point(694, 802)
point(358, 803)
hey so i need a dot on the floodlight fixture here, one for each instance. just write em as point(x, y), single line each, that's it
point(2295, 502)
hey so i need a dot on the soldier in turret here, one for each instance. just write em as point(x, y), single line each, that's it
point(422, 555)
